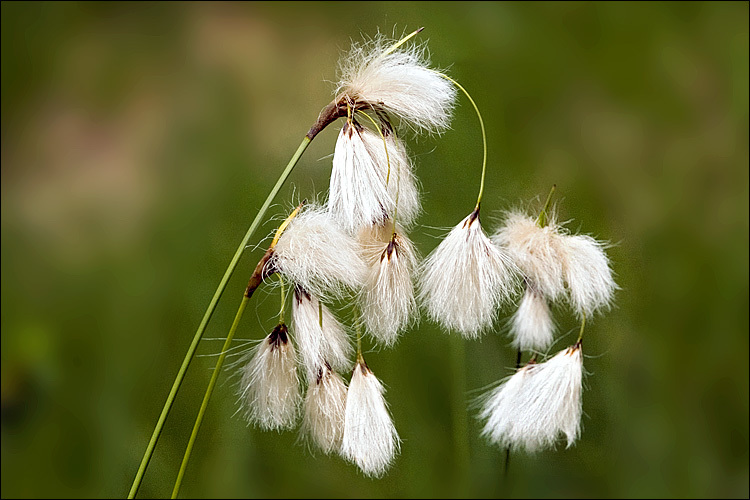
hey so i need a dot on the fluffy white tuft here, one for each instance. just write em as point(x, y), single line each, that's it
point(324, 410)
point(391, 158)
point(400, 83)
point(358, 196)
point(588, 274)
point(532, 326)
point(466, 278)
point(316, 254)
point(270, 386)
point(535, 250)
point(320, 336)
point(370, 438)
point(387, 299)
point(537, 404)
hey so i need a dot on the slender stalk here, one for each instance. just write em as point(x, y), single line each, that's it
point(283, 299)
point(580, 334)
point(261, 272)
point(542, 219)
point(212, 306)
point(484, 135)
point(207, 397)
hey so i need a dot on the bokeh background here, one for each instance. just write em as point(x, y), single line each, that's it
point(140, 139)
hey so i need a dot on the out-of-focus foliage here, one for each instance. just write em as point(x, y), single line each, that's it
point(139, 140)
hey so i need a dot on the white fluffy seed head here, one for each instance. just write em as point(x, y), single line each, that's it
point(466, 278)
point(321, 338)
point(532, 327)
point(588, 274)
point(537, 404)
point(358, 196)
point(400, 83)
point(324, 410)
point(387, 300)
point(391, 158)
point(537, 251)
point(370, 438)
point(269, 388)
point(316, 254)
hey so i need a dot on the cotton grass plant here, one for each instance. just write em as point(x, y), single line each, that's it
point(354, 249)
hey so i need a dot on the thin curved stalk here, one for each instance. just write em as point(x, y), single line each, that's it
point(209, 392)
point(484, 134)
point(214, 301)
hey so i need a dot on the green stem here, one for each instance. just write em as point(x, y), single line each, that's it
point(209, 312)
point(283, 299)
point(542, 219)
point(484, 135)
point(583, 324)
point(207, 397)
point(460, 420)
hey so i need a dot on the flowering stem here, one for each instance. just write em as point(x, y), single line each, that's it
point(209, 391)
point(583, 324)
point(542, 219)
point(283, 299)
point(209, 312)
point(484, 136)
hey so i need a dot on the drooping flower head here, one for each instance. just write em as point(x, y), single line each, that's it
point(588, 274)
point(370, 438)
point(537, 405)
point(315, 253)
point(398, 82)
point(466, 278)
point(531, 325)
point(270, 386)
point(324, 410)
point(536, 250)
point(387, 300)
point(320, 337)
point(556, 265)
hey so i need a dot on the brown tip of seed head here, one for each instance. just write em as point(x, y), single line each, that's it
point(278, 336)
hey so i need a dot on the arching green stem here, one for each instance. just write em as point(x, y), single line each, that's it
point(209, 391)
point(484, 135)
point(209, 312)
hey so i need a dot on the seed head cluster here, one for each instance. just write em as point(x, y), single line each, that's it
point(355, 249)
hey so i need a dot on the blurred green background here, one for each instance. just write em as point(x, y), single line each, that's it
point(139, 140)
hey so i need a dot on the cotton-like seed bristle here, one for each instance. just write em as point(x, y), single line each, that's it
point(315, 253)
point(269, 388)
point(466, 278)
point(391, 157)
point(537, 404)
point(387, 299)
point(358, 196)
point(320, 336)
point(532, 327)
point(400, 83)
point(537, 251)
point(324, 410)
point(370, 438)
point(588, 274)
